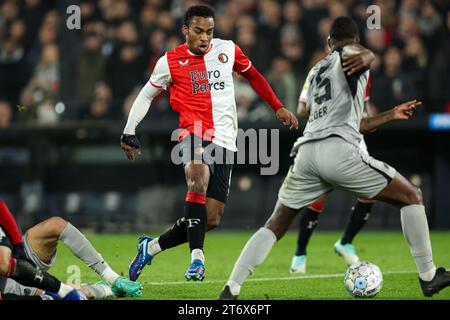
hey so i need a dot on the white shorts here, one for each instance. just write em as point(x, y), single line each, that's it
point(320, 166)
point(363, 146)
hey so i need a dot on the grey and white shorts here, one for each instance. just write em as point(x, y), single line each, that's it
point(320, 166)
point(34, 257)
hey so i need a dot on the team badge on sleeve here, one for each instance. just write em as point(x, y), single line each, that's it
point(223, 58)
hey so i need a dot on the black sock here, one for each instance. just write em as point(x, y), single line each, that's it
point(195, 214)
point(359, 217)
point(308, 223)
point(174, 236)
point(28, 275)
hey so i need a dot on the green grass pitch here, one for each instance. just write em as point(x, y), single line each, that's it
point(164, 279)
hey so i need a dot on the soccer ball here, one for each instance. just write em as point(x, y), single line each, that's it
point(363, 280)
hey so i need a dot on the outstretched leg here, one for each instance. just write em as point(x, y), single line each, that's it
point(43, 240)
point(177, 235)
point(408, 197)
point(257, 249)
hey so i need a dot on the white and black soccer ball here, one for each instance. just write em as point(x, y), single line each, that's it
point(363, 280)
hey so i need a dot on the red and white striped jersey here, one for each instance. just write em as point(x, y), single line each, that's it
point(202, 89)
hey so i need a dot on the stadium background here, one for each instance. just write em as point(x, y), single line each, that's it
point(65, 95)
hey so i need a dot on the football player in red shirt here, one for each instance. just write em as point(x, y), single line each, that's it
point(198, 74)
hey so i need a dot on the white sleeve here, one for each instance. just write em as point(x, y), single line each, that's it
point(159, 80)
point(140, 107)
point(160, 77)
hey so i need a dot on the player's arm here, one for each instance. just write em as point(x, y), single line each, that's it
point(157, 83)
point(302, 109)
point(263, 89)
point(403, 111)
point(356, 58)
point(140, 107)
point(260, 85)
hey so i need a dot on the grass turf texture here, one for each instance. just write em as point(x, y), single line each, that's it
point(164, 279)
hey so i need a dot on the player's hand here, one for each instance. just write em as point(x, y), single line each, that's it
point(405, 110)
point(287, 118)
point(128, 142)
point(352, 63)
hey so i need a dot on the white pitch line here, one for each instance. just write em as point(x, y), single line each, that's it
point(315, 276)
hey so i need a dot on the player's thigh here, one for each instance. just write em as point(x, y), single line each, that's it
point(197, 172)
point(41, 243)
point(346, 167)
point(197, 177)
point(302, 185)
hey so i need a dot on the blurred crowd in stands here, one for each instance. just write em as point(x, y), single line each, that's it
point(120, 41)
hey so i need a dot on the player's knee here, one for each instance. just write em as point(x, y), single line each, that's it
point(55, 226)
point(197, 186)
point(415, 196)
point(4, 269)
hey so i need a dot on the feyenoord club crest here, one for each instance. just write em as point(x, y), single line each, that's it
point(223, 58)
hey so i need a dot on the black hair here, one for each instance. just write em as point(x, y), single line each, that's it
point(197, 11)
point(343, 28)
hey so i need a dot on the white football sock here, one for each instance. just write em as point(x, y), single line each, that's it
point(64, 289)
point(109, 275)
point(99, 291)
point(153, 247)
point(415, 229)
point(253, 254)
point(235, 288)
point(197, 254)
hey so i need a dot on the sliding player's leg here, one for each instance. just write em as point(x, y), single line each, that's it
point(408, 198)
point(27, 274)
point(41, 244)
